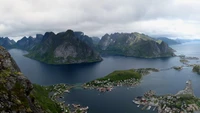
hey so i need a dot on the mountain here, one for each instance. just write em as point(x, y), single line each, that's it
point(15, 93)
point(28, 43)
point(88, 40)
point(133, 44)
point(6, 42)
point(168, 41)
point(64, 48)
point(187, 40)
point(18, 94)
point(95, 40)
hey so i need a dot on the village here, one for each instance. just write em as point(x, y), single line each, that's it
point(56, 95)
point(183, 101)
point(107, 85)
point(119, 78)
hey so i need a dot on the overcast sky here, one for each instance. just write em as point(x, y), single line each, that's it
point(171, 18)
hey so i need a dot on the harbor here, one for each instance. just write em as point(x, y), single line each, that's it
point(183, 101)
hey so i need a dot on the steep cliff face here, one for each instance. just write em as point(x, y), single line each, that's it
point(63, 48)
point(133, 44)
point(15, 93)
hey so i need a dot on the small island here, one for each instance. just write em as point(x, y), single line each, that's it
point(196, 69)
point(178, 68)
point(183, 101)
point(185, 60)
point(129, 77)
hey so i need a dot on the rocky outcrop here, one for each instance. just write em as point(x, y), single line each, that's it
point(64, 48)
point(188, 89)
point(15, 93)
point(133, 44)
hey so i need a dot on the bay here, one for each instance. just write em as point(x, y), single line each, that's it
point(120, 99)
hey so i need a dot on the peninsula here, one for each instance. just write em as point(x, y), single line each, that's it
point(129, 77)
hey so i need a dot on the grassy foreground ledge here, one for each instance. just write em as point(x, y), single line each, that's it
point(41, 95)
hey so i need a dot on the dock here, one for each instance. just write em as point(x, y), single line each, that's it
point(154, 108)
point(149, 108)
point(144, 107)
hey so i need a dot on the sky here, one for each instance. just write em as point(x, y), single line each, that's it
point(168, 18)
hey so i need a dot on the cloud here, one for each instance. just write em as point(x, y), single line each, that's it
point(172, 18)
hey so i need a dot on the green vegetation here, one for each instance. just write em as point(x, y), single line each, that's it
point(134, 45)
point(184, 61)
point(63, 48)
point(40, 94)
point(178, 68)
point(196, 69)
point(129, 77)
point(183, 99)
point(159, 41)
point(121, 75)
point(5, 73)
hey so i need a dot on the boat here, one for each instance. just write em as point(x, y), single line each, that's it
point(149, 108)
point(66, 91)
point(138, 105)
point(136, 102)
point(84, 109)
point(154, 108)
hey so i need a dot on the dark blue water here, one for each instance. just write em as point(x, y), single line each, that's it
point(119, 100)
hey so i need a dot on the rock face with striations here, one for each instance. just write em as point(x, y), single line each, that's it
point(63, 48)
point(133, 44)
point(15, 89)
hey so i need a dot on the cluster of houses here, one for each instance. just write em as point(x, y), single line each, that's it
point(58, 90)
point(76, 108)
point(107, 85)
point(168, 103)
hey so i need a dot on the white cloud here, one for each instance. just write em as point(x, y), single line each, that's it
point(172, 18)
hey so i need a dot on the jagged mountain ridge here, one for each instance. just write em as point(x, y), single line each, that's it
point(63, 48)
point(133, 44)
point(29, 43)
point(6, 42)
point(125, 44)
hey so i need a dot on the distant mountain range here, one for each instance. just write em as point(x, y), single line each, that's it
point(6, 42)
point(176, 41)
point(169, 41)
point(75, 47)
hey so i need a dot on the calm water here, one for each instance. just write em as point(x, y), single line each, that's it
point(119, 100)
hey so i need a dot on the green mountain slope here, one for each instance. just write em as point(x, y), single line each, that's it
point(133, 44)
point(17, 94)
